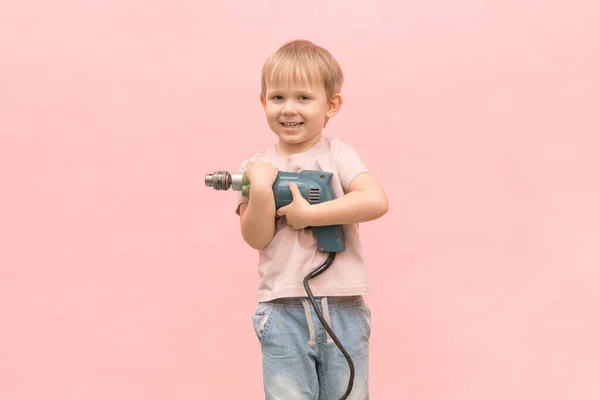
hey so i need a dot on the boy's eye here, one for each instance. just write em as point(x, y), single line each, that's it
point(279, 97)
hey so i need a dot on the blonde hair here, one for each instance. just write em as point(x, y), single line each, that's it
point(302, 61)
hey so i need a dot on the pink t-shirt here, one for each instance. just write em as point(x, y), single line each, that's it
point(292, 253)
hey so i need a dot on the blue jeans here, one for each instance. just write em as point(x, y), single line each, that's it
point(300, 360)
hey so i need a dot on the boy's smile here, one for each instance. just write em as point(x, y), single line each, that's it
point(291, 125)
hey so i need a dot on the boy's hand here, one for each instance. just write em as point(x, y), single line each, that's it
point(261, 174)
point(297, 213)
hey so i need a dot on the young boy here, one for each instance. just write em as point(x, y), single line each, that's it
point(301, 84)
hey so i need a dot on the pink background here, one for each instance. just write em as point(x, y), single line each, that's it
point(123, 277)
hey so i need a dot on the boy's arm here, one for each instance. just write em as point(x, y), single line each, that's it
point(257, 217)
point(365, 201)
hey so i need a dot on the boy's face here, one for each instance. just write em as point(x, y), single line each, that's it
point(298, 113)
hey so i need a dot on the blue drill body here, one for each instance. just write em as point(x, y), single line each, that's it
point(315, 188)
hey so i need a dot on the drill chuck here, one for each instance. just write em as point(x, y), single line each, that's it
point(223, 180)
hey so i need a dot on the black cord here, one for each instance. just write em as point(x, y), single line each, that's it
point(314, 273)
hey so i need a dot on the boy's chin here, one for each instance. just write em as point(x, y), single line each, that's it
point(295, 138)
point(290, 139)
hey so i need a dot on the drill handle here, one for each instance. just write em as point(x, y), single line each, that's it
point(330, 238)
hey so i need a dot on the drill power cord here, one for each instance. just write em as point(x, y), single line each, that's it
point(311, 298)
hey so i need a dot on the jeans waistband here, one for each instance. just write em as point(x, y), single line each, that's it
point(330, 300)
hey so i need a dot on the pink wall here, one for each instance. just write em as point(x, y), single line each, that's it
point(123, 277)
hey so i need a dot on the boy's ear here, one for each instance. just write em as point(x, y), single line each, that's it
point(334, 105)
point(262, 100)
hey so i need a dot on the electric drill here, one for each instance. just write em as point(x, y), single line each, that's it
point(313, 185)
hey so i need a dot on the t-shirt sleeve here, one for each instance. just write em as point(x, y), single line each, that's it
point(240, 199)
point(349, 165)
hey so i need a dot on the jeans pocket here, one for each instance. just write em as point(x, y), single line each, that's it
point(260, 319)
point(365, 312)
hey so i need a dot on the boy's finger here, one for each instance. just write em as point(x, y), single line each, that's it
point(294, 189)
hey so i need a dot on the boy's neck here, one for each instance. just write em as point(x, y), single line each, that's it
point(286, 149)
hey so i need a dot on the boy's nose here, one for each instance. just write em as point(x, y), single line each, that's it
point(288, 108)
